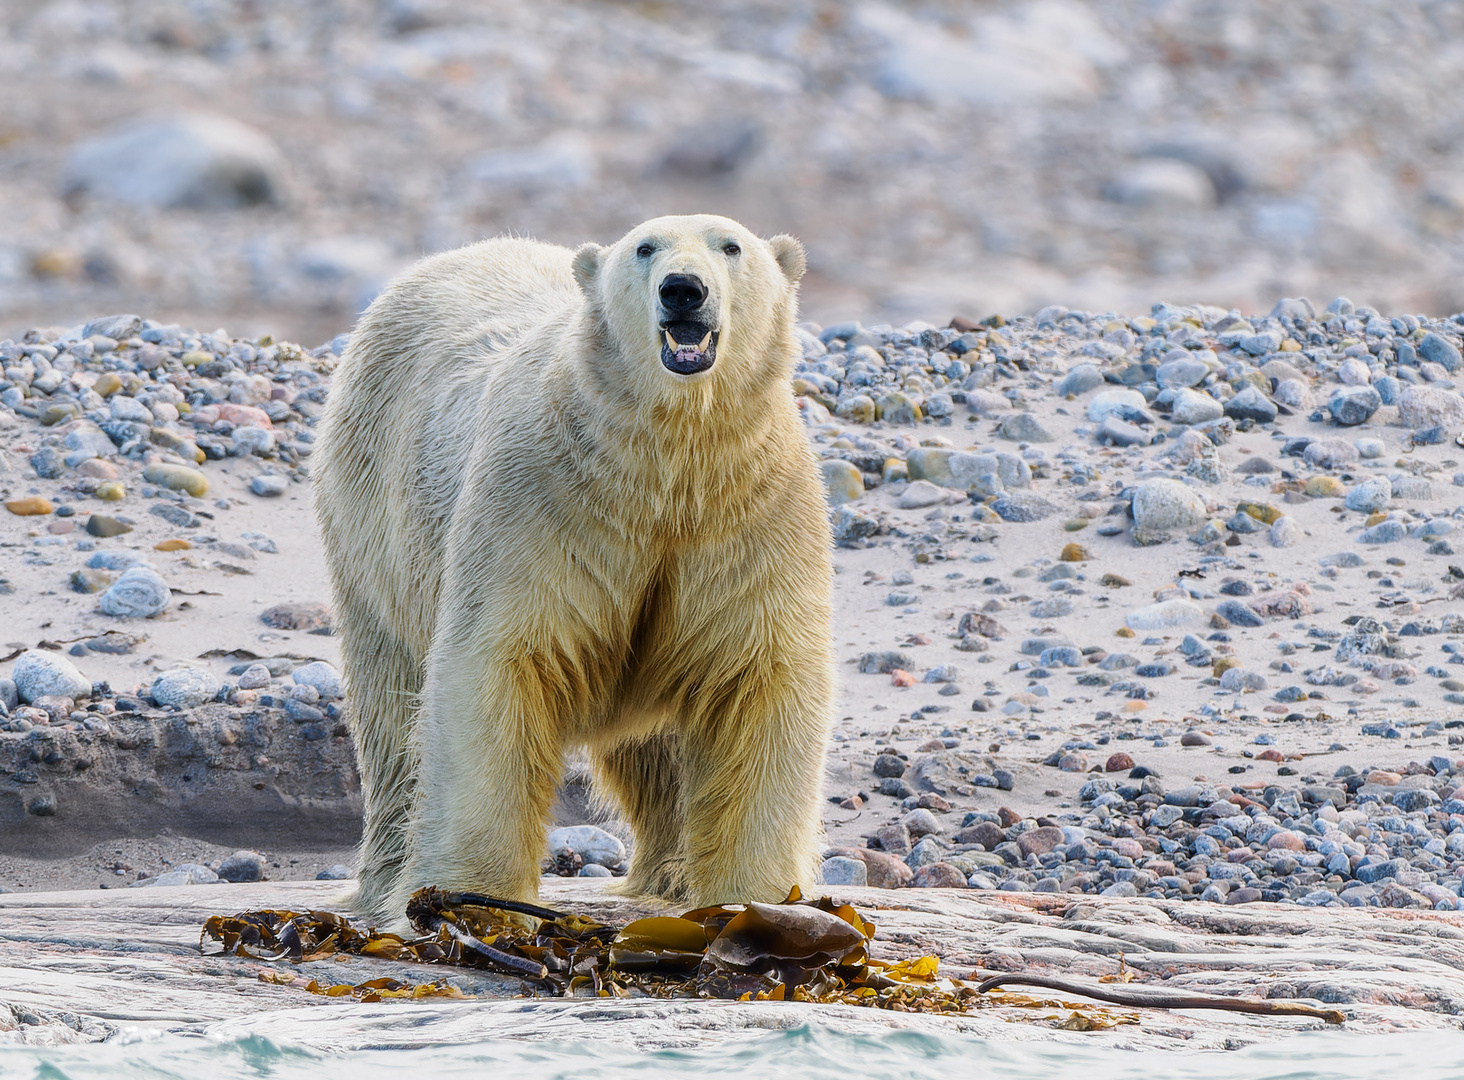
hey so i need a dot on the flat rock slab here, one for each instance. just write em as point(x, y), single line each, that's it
point(78, 966)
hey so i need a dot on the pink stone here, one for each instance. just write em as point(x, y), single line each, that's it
point(1129, 849)
point(1286, 841)
point(243, 415)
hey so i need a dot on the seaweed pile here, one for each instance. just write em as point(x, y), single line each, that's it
point(799, 950)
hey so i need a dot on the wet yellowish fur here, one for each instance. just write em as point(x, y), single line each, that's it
point(539, 538)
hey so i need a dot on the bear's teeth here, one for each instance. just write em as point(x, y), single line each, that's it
point(702, 345)
point(671, 342)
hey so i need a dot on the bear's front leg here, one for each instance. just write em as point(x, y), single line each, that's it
point(490, 733)
point(754, 755)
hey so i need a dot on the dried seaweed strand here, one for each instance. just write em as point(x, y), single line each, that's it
point(516, 965)
point(1155, 997)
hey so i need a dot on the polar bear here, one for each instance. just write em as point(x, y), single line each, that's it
point(567, 501)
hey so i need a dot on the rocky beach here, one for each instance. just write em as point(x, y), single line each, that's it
point(1133, 366)
point(1151, 606)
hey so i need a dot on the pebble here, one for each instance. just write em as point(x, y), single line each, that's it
point(337, 872)
point(104, 525)
point(1115, 403)
point(1438, 349)
point(1331, 454)
point(941, 875)
point(272, 485)
point(1022, 506)
point(1024, 427)
point(1426, 407)
point(1384, 532)
point(140, 593)
point(1250, 404)
point(919, 495)
point(1284, 532)
point(182, 874)
point(184, 687)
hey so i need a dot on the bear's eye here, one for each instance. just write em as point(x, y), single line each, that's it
point(733, 249)
point(645, 251)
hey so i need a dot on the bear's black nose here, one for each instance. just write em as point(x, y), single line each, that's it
point(682, 293)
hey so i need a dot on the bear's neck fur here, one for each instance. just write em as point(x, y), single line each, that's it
point(702, 446)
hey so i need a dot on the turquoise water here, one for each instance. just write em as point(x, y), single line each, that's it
point(802, 1054)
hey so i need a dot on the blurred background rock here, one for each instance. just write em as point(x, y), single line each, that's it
point(265, 165)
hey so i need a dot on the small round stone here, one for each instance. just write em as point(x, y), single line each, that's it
point(271, 485)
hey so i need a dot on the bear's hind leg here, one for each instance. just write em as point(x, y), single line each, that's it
point(642, 777)
point(383, 681)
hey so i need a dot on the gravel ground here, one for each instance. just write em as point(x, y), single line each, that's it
point(1142, 605)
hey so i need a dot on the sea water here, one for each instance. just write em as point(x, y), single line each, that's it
point(807, 1053)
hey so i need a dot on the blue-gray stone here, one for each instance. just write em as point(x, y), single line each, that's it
point(1388, 388)
point(1067, 656)
point(1352, 405)
point(1238, 614)
point(1440, 350)
point(1380, 871)
point(1121, 433)
point(1410, 799)
point(1156, 670)
point(1022, 506)
point(1251, 404)
point(1259, 344)
point(1080, 380)
point(839, 331)
point(48, 463)
point(1384, 532)
point(1371, 495)
point(842, 870)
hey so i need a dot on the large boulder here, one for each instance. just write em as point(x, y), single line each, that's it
point(43, 674)
point(1428, 406)
point(184, 159)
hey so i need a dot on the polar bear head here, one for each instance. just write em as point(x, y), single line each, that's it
point(692, 299)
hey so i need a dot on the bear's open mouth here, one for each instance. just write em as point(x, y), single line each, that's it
point(688, 347)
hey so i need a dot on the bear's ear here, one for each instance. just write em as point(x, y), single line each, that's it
point(789, 253)
point(586, 265)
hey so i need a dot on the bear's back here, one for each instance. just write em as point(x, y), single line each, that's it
point(396, 440)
